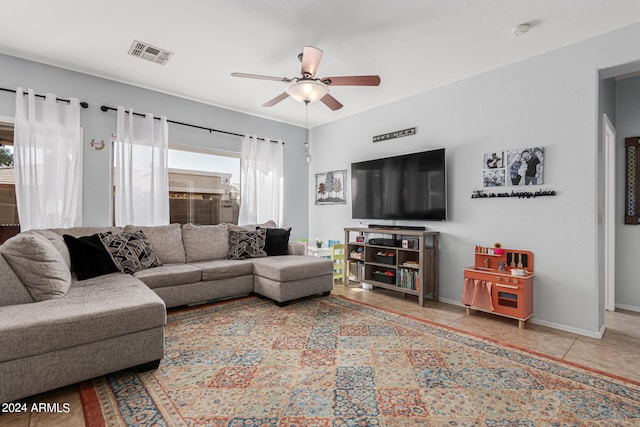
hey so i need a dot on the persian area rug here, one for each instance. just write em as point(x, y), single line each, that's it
point(334, 362)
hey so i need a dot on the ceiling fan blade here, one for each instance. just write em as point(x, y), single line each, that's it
point(275, 100)
point(258, 76)
point(311, 57)
point(331, 102)
point(352, 81)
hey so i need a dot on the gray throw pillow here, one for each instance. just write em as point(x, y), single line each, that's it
point(39, 265)
point(247, 244)
point(131, 251)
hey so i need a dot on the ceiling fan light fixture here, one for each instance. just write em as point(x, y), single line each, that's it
point(307, 90)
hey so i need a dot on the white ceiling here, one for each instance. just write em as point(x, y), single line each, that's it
point(414, 45)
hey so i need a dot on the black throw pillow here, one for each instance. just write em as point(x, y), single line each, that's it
point(89, 257)
point(277, 241)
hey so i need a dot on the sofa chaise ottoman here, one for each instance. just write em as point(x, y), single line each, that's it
point(286, 278)
point(57, 330)
point(98, 326)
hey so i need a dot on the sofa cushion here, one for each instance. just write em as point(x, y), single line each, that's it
point(39, 265)
point(297, 248)
point(93, 310)
point(89, 257)
point(287, 267)
point(12, 291)
point(166, 241)
point(85, 231)
point(224, 268)
point(277, 241)
point(205, 242)
point(169, 275)
point(247, 244)
point(130, 251)
point(58, 242)
point(54, 235)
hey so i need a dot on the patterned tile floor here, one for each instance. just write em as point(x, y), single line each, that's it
point(615, 353)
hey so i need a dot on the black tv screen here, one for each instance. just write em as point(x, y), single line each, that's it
point(410, 187)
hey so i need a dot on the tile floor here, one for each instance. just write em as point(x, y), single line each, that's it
point(617, 352)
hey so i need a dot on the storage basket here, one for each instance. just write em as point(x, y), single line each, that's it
point(386, 259)
point(381, 277)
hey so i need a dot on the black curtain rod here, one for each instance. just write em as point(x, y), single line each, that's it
point(82, 103)
point(105, 109)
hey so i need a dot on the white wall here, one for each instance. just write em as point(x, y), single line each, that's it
point(627, 236)
point(550, 100)
point(99, 125)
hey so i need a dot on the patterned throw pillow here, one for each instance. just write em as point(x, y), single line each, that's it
point(247, 244)
point(131, 251)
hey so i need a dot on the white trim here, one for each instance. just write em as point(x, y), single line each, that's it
point(203, 150)
point(199, 172)
point(628, 307)
point(578, 331)
point(7, 119)
point(609, 213)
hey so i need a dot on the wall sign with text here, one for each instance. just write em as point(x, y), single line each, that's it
point(396, 134)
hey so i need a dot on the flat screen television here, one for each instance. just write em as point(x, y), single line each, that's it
point(407, 187)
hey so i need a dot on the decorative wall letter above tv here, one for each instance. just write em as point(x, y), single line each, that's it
point(408, 187)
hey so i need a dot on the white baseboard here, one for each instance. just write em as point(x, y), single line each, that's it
point(628, 307)
point(578, 331)
point(451, 301)
point(591, 334)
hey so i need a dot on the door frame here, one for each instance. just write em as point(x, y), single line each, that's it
point(609, 212)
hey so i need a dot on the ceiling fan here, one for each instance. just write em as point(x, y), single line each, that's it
point(308, 88)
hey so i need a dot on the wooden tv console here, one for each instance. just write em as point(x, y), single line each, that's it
point(411, 270)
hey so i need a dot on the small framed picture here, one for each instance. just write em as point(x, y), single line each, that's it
point(494, 160)
point(493, 170)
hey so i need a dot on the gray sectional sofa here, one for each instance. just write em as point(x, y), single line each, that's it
point(56, 330)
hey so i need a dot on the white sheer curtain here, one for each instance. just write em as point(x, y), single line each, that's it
point(141, 173)
point(261, 181)
point(48, 161)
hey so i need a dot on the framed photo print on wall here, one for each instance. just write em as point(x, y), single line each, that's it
point(517, 167)
point(493, 171)
point(330, 188)
point(525, 166)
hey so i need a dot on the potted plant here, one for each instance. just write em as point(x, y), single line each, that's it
point(319, 242)
point(497, 248)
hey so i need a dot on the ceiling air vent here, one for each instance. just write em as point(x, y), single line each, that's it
point(150, 53)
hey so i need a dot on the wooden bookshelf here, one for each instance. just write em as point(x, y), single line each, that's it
point(411, 270)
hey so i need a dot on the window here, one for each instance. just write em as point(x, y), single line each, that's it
point(203, 185)
point(9, 224)
point(8, 209)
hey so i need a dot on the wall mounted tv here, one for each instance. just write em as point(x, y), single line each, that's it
point(409, 187)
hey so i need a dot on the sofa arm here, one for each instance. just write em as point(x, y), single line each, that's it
point(296, 248)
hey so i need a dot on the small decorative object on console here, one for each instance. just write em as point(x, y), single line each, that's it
point(497, 248)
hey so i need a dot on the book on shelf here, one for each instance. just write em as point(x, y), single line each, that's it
point(410, 263)
point(356, 270)
point(408, 279)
